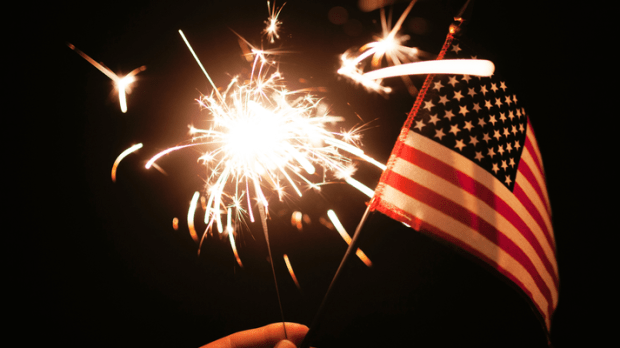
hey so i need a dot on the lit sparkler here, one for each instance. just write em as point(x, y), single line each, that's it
point(264, 139)
point(401, 57)
point(273, 24)
point(389, 45)
point(123, 84)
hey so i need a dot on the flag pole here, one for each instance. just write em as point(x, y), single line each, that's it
point(314, 327)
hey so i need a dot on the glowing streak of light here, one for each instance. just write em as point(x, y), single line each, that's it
point(262, 135)
point(290, 271)
point(273, 24)
point(230, 231)
point(120, 158)
point(190, 216)
point(343, 233)
point(122, 83)
point(197, 60)
point(361, 187)
point(477, 67)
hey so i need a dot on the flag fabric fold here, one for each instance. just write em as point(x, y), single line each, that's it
point(466, 168)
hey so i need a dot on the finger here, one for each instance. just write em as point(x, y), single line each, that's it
point(266, 336)
point(285, 344)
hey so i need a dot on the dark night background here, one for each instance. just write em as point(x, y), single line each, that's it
point(109, 270)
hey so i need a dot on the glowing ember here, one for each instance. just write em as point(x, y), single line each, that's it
point(290, 271)
point(121, 156)
point(123, 84)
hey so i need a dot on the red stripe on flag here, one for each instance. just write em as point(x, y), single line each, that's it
point(468, 218)
point(472, 186)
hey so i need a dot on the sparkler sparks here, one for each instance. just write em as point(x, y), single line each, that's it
point(120, 158)
point(389, 45)
point(123, 84)
point(263, 139)
point(401, 57)
point(273, 24)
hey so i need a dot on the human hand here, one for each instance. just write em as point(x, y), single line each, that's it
point(269, 336)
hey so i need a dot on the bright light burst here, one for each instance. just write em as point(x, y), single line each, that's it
point(273, 24)
point(264, 140)
point(389, 45)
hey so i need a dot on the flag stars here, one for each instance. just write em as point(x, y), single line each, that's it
point(498, 102)
point(486, 137)
point(509, 147)
point(439, 133)
point(488, 105)
point(519, 113)
point(495, 168)
point(514, 98)
point(438, 85)
point(473, 140)
point(454, 129)
point(491, 152)
point(466, 78)
point(508, 100)
point(471, 92)
point(494, 87)
point(460, 145)
point(449, 115)
point(492, 120)
point(428, 105)
point(512, 162)
point(479, 156)
point(458, 95)
point(434, 119)
point(521, 128)
point(496, 134)
point(514, 130)
point(468, 125)
point(456, 49)
point(502, 117)
point(443, 99)
point(511, 115)
point(463, 110)
point(502, 85)
point(506, 132)
point(507, 181)
point(481, 122)
point(504, 165)
point(453, 81)
point(517, 145)
point(477, 107)
point(484, 91)
point(500, 149)
point(419, 125)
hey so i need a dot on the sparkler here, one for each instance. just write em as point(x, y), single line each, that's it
point(401, 57)
point(123, 84)
point(273, 24)
point(262, 139)
point(389, 45)
point(262, 135)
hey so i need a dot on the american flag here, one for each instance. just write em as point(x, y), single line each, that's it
point(466, 168)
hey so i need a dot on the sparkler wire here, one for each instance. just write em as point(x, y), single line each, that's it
point(314, 327)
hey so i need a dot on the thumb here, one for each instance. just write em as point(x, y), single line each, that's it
point(285, 344)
